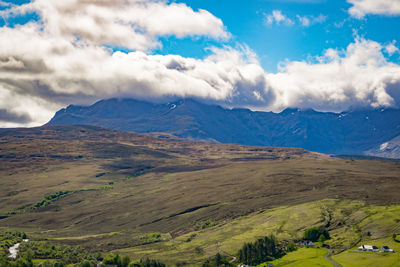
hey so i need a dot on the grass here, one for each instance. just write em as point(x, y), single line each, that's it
point(201, 198)
point(287, 223)
point(302, 257)
point(353, 258)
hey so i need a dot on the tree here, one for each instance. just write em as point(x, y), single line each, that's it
point(218, 259)
point(260, 251)
point(59, 264)
point(291, 246)
point(99, 257)
point(125, 261)
point(113, 259)
point(86, 263)
point(321, 239)
point(314, 233)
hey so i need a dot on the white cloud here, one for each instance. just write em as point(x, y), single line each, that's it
point(277, 17)
point(43, 68)
point(4, 4)
point(362, 8)
point(359, 76)
point(134, 24)
point(340, 24)
point(391, 48)
point(307, 21)
point(54, 72)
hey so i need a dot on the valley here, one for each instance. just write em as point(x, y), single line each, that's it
point(182, 202)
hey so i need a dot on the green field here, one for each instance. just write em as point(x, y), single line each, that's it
point(123, 189)
point(303, 257)
point(287, 223)
point(352, 258)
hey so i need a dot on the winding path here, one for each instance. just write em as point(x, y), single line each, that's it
point(233, 258)
point(328, 258)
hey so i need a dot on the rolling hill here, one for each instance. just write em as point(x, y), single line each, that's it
point(353, 132)
point(181, 201)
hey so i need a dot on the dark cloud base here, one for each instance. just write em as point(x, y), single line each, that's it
point(7, 116)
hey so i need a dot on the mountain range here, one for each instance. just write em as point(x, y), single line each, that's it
point(362, 132)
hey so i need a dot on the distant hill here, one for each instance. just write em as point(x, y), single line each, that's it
point(390, 149)
point(354, 132)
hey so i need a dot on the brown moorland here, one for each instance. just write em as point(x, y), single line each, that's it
point(116, 181)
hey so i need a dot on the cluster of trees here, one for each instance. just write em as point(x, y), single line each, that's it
point(24, 261)
point(115, 259)
point(217, 261)
point(8, 239)
point(262, 250)
point(62, 253)
point(55, 255)
point(59, 255)
point(315, 234)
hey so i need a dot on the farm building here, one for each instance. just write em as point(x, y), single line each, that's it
point(368, 248)
point(306, 243)
point(386, 249)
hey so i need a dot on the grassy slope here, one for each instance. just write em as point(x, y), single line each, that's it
point(353, 258)
point(303, 257)
point(165, 185)
point(286, 223)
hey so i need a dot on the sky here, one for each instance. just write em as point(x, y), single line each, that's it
point(327, 55)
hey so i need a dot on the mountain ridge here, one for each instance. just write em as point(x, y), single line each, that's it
point(350, 132)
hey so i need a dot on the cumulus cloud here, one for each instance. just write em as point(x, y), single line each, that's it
point(362, 8)
point(44, 66)
point(277, 17)
point(356, 77)
point(133, 24)
point(53, 72)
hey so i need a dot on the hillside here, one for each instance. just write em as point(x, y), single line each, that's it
point(118, 189)
point(390, 149)
point(354, 132)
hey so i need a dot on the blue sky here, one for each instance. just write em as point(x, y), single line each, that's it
point(246, 21)
point(260, 54)
point(276, 43)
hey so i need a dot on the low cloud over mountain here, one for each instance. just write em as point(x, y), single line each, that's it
point(81, 51)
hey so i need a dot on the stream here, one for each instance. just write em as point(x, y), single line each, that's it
point(14, 249)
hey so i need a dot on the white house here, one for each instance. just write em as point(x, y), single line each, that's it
point(386, 249)
point(306, 243)
point(368, 248)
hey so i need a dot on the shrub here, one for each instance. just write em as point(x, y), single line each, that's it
point(125, 261)
point(314, 234)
